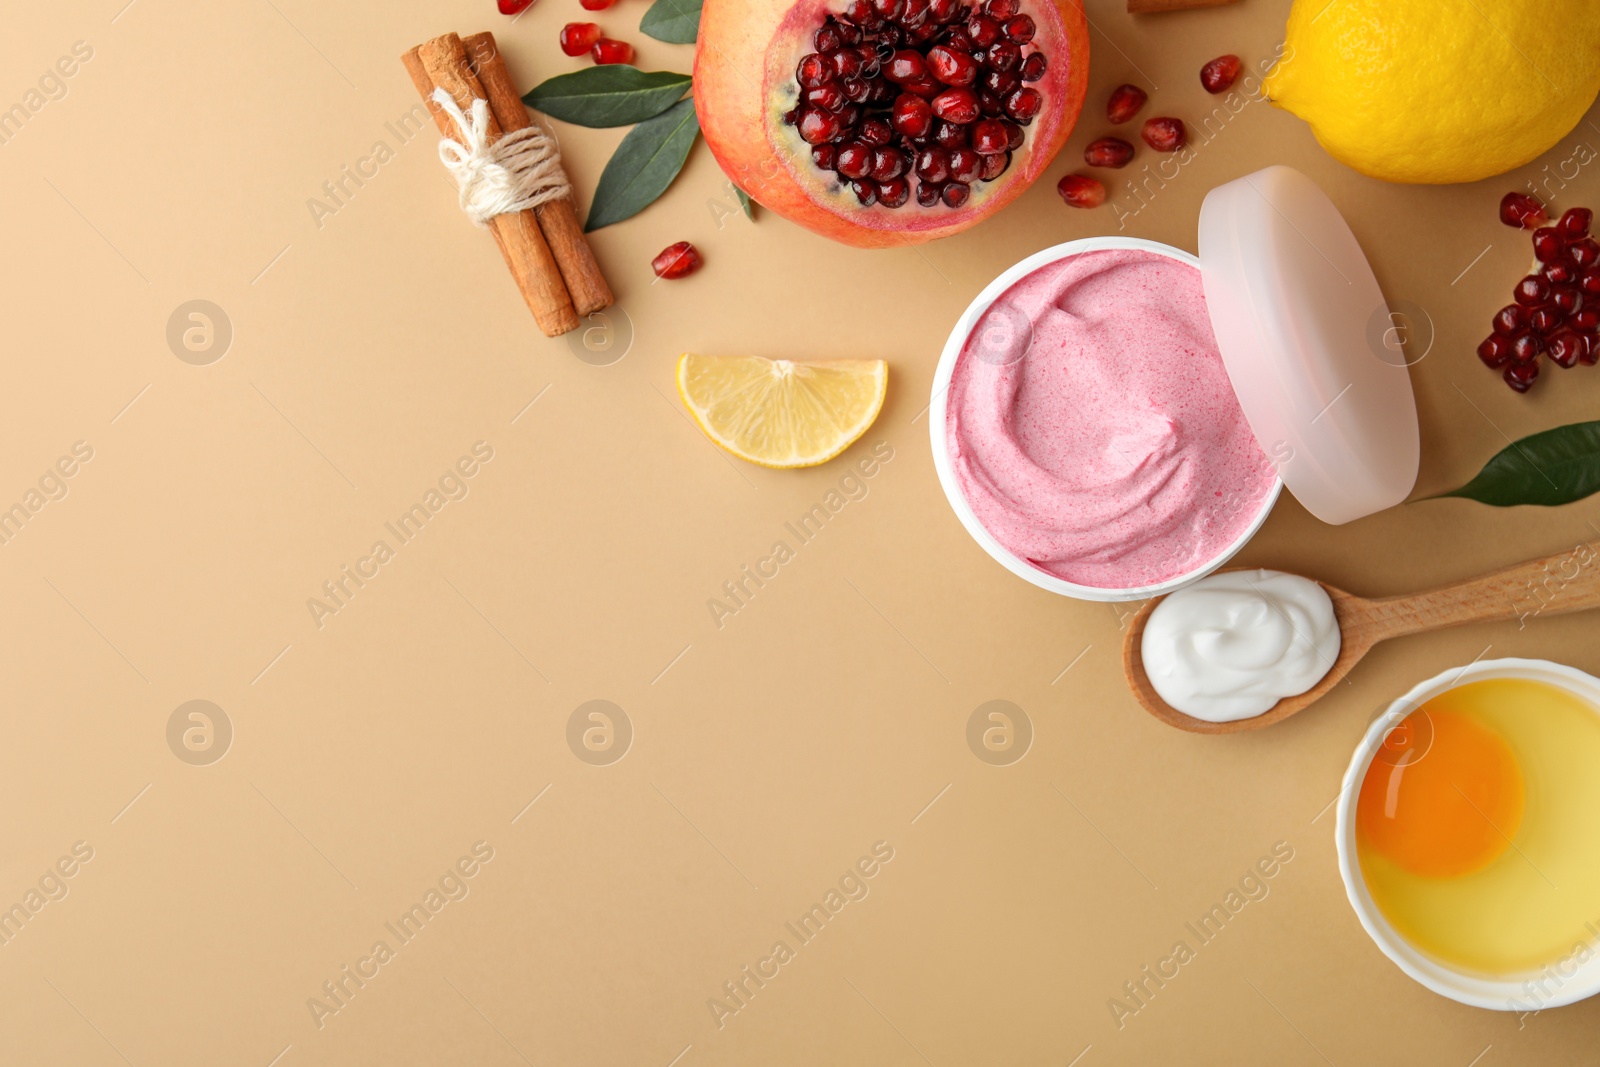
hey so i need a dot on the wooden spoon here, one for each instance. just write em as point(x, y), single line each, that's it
point(1554, 585)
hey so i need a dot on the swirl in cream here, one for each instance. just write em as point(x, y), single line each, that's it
point(1232, 645)
point(1093, 430)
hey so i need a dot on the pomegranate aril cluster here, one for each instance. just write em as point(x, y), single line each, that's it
point(918, 98)
point(1555, 311)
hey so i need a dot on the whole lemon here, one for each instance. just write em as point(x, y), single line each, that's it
point(1437, 91)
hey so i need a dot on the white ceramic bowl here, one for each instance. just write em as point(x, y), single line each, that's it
point(941, 456)
point(1561, 981)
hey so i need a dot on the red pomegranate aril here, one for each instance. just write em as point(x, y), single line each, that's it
point(1509, 319)
point(578, 37)
point(1545, 321)
point(1520, 376)
point(1219, 75)
point(595, 5)
point(982, 31)
point(1125, 102)
point(1565, 348)
point(888, 10)
point(866, 191)
point(812, 71)
point(1024, 104)
point(1531, 291)
point(1548, 244)
point(1079, 191)
point(927, 88)
point(1108, 152)
point(516, 7)
point(825, 156)
point(859, 12)
point(1020, 29)
point(1014, 135)
point(1034, 66)
point(989, 138)
point(1001, 83)
point(1574, 225)
point(846, 63)
point(1526, 346)
point(854, 160)
point(915, 14)
point(855, 90)
point(676, 261)
point(952, 67)
point(1495, 350)
point(876, 132)
point(827, 96)
point(850, 117)
point(954, 135)
point(818, 127)
point(606, 51)
point(1567, 298)
point(1586, 319)
point(906, 66)
point(1521, 210)
point(927, 194)
point(1585, 253)
point(990, 104)
point(1590, 283)
point(1004, 56)
point(957, 105)
point(933, 165)
point(1164, 134)
point(958, 40)
point(965, 166)
point(943, 10)
point(995, 165)
point(894, 193)
point(1001, 9)
point(1561, 273)
point(828, 39)
point(913, 117)
point(887, 164)
point(1591, 350)
point(955, 194)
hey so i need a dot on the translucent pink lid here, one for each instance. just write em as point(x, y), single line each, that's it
point(1302, 327)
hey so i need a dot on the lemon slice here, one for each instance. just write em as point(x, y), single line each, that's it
point(780, 413)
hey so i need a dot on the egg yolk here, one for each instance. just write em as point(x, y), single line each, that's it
point(1443, 797)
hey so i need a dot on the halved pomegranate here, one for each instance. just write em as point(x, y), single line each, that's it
point(888, 122)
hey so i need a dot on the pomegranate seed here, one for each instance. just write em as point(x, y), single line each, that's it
point(825, 156)
point(1585, 253)
point(1565, 348)
point(1526, 346)
point(1024, 104)
point(906, 66)
point(1079, 191)
point(1004, 56)
point(1521, 210)
point(954, 135)
point(1509, 319)
point(1587, 320)
point(888, 10)
point(995, 165)
point(927, 192)
point(1574, 225)
point(859, 12)
point(1020, 29)
point(989, 138)
point(943, 10)
point(1495, 350)
point(913, 117)
point(1531, 291)
point(887, 164)
point(816, 127)
point(1108, 152)
point(956, 105)
point(1001, 9)
point(1520, 376)
point(1545, 321)
point(915, 14)
point(876, 132)
point(1591, 349)
point(965, 166)
point(812, 71)
point(933, 165)
point(1559, 273)
point(606, 50)
point(1014, 135)
point(596, 5)
point(1125, 102)
point(894, 193)
point(854, 160)
point(982, 31)
point(1590, 283)
point(676, 261)
point(828, 96)
point(846, 64)
point(1548, 244)
point(927, 87)
point(828, 39)
point(952, 67)
point(578, 37)
point(1566, 298)
point(866, 192)
point(1219, 75)
point(1164, 134)
point(1000, 82)
point(515, 7)
point(1034, 66)
point(955, 194)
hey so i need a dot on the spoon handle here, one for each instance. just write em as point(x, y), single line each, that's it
point(1552, 585)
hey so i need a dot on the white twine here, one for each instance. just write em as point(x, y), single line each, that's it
point(517, 173)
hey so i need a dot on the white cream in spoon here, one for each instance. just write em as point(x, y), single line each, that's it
point(1232, 645)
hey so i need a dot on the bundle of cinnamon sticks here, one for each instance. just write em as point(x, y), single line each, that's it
point(545, 248)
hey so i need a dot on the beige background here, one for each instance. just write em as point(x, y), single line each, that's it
point(829, 714)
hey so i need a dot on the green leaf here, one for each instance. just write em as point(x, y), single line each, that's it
point(746, 203)
point(673, 21)
point(1548, 469)
point(645, 163)
point(610, 94)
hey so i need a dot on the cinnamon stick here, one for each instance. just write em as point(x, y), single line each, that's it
point(1140, 7)
point(444, 65)
point(558, 218)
